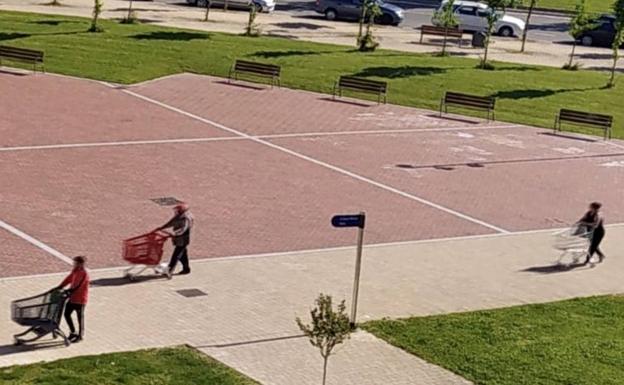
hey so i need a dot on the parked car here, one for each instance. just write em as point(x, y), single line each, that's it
point(261, 5)
point(602, 34)
point(352, 9)
point(472, 17)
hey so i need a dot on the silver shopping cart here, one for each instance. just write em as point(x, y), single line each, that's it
point(573, 244)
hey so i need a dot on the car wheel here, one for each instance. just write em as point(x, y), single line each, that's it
point(587, 41)
point(331, 14)
point(385, 19)
point(505, 32)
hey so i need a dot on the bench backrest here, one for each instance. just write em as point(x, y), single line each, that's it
point(441, 31)
point(485, 102)
point(362, 84)
point(587, 118)
point(21, 53)
point(258, 68)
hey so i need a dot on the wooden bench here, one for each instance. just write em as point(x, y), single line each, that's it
point(22, 54)
point(256, 69)
point(441, 31)
point(486, 103)
point(603, 122)
point(353, 83)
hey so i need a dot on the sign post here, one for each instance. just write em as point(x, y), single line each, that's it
point(359, 221)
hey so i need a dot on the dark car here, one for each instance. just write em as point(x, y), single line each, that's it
point(602, 34)
point(352, 9)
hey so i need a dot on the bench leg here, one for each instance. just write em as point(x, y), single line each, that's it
point(421, 37)
point(441, 106)
point(557, 125)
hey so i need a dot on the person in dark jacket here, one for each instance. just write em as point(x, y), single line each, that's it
point(593, 221)
point(181, 225)
point(78, 281)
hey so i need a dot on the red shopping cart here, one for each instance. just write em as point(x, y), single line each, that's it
point(144, 252)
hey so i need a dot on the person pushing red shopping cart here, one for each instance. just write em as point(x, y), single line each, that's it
point(145, 251)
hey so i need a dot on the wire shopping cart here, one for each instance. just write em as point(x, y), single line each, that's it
point(144, 252)
point(573, 243)
point(42, 314)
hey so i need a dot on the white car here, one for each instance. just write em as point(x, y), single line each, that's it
point(261, 5)
point(472, 16)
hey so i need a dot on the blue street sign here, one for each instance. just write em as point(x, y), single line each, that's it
point(351, 220)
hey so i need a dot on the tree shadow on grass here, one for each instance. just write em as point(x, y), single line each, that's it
point(174, 36)
point(276, 54)
point(399, 72)
point(13, 35)
point(533, 94)
point(52, 22)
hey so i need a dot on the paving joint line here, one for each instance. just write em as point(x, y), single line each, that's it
point(278, 254)
point(230, 138)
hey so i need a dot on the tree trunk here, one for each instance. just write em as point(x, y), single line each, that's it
point(616, 56)
point(487, 46)
point(207, 10)
point(526, 25)
point(129, 9)
point(444, 42)
point(572, 54)
point(325, 359)
point(362, 17)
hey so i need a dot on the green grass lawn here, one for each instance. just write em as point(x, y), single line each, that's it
point(576, 342)
point(171, 366)
point(132, 53)
point(596, 6)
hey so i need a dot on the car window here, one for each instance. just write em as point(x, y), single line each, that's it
point(468, 11)
point(483, 13)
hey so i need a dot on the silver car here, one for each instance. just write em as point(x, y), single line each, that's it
point(261, 5)
point(472, 16)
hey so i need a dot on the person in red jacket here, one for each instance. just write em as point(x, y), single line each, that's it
point(78, 281)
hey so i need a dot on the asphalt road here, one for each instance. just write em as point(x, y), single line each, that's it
point(418, 12)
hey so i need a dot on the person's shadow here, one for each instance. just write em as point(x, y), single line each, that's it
point(555, 268)
point(6, 350)
point(121, 281)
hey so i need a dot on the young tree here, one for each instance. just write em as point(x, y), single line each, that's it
point(445, 17)
point(497, 7)
point(208, 4)
point(97, 10)
point(131, 17)
point(329, 327)
point(532, 5)
point(618, 11)
point(580, 22)
point(252, 28)
point(371, 10)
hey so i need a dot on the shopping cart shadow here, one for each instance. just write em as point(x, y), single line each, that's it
point(554, 268)
point(121, 281)
point(6, 350)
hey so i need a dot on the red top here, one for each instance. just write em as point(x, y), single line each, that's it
point(78, 281)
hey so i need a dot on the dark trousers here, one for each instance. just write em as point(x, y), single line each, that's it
point(79, 309)
point(179, 253)
point(594, 246)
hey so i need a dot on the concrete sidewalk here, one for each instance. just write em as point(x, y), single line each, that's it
point(292, 26)
point(247, 317)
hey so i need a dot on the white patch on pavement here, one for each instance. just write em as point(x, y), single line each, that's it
point(569, 150)
point(615, 163)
